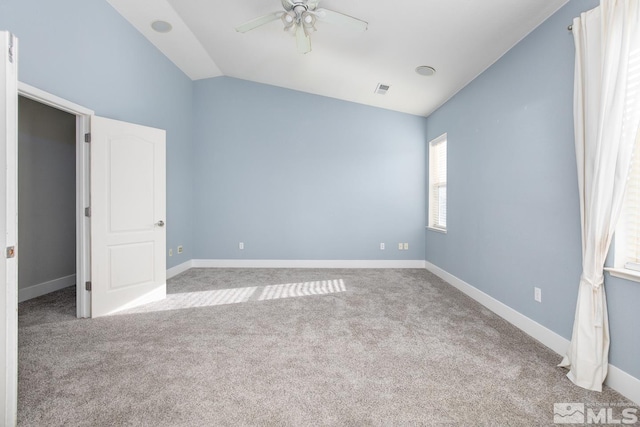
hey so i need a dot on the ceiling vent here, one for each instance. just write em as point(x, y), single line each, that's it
point(381, 89)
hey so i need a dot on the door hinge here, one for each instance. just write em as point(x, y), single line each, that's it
point(87, 137)
point(87, 212)
point(11, 251)
point(11, 48)
point(87, 286)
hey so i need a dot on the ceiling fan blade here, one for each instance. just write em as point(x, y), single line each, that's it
point(255, 23)
point(334, 17)
point(312, 4)
point(303, 40)
point(287, 4)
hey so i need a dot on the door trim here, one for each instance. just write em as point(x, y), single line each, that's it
point(83, 199)
point(8, 228)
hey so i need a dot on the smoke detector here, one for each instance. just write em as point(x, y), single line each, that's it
point(425, 70)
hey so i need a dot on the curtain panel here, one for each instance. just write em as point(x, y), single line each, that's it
point(606, 121)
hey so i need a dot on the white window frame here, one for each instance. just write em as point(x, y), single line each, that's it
point(435, 182)
point(622, 266)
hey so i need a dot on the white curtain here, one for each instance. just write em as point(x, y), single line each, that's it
point(606, 94)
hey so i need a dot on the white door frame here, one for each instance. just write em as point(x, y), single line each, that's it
point(8, 228)
point(83, 226)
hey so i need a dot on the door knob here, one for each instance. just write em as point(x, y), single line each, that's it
point(160, 223)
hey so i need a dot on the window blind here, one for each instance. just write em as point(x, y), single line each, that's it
point(438, 183)
point(628, 229)
point(630, 218)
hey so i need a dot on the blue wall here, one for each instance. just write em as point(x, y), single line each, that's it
point(85, 52)
point(513, 207)
point(299, 176)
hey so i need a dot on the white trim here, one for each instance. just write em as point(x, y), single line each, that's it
point(260, 263)
point(181, 268)
point(437, 230)
point(8, 229)
point(619, 380)
point(44, 288)
point(624, 383)
point(83, 223)
point(624, 273)
point(275, 263)
point(546, 336)
point(51, 100)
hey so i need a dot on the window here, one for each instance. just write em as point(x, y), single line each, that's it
point(627, 237)
point(438, 183)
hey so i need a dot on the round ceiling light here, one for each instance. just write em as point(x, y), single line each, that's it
point(425, 70)
point(161, 26)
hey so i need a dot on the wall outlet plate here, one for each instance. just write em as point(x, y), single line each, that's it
point(180, 249)
point(537, 294)
point(241, 245)
point(382, 246)
point(170, 252)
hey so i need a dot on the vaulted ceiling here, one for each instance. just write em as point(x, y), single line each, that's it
point(459, 38)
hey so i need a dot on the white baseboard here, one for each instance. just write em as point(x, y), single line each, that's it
point(624, 383)
point(274, 263)
point(180, 268)
point(619, 380)
point(40, 289)
point(265, 263)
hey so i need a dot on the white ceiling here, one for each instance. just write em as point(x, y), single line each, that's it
point(459, 38)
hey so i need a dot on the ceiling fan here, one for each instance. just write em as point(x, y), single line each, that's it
point(299, 18)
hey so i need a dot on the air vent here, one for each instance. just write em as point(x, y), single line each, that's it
point(382, 89)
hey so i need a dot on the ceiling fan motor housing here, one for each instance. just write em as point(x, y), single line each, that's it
point(299, 9)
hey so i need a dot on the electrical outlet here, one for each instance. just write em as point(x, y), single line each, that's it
point(400, 246)
point(170, 252)
point(180, 249)
point(537, 294)
point(382, 246)
point(406, 246)
point(241, 246)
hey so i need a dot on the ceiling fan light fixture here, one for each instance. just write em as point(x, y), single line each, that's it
point(425, 70)
point(299, 18)
point(161, 26)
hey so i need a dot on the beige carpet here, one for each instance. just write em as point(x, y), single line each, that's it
point(381, 347)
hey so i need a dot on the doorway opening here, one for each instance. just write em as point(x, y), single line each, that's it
point(46, 199)
point(54, 231)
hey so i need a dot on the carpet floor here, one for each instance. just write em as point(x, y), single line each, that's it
point(289, 347)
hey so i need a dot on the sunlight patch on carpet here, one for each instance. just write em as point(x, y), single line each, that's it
point(302, 289)
point(239, 295)
point(197, 299)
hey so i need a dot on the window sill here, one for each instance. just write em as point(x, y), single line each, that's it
point(624, 273)
point(439, 230)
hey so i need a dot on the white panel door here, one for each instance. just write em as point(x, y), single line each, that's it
point(128, 204)
point(8, 229)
